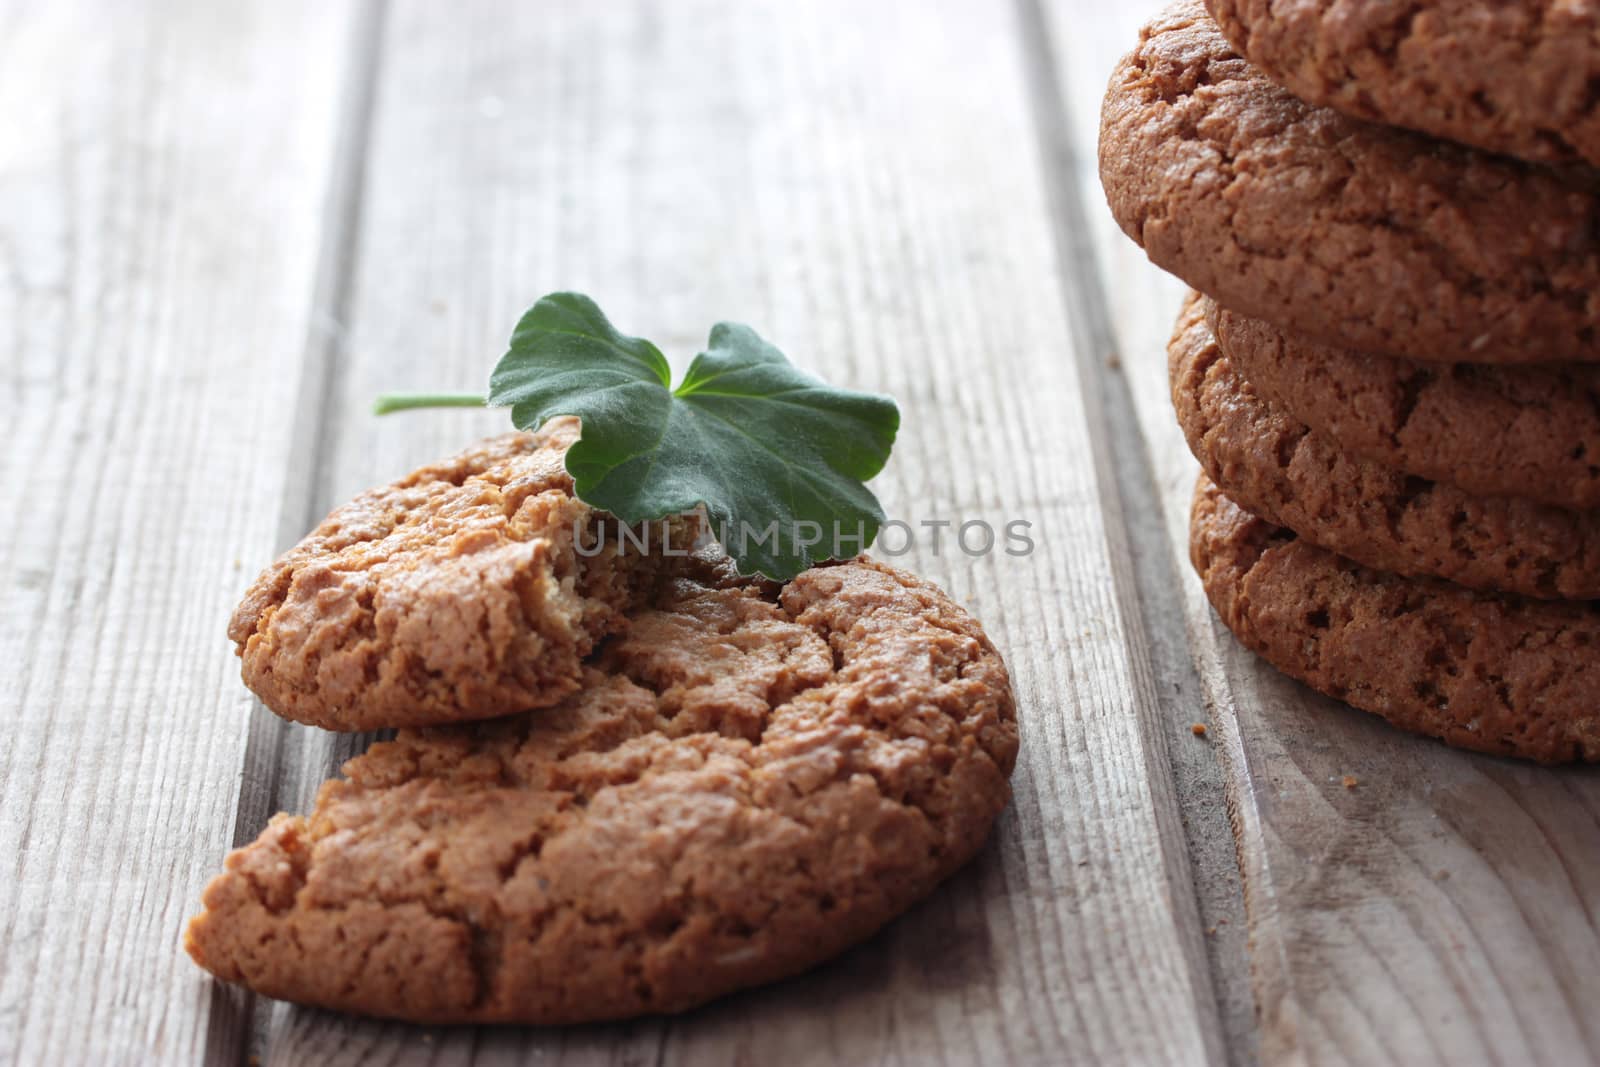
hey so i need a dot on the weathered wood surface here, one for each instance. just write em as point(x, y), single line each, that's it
point(161, 213)
point(861, 183)
point(223, 228)
point(1445, 909)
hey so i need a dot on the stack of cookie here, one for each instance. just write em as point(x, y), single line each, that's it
point(626, 780)
point(1392, 381)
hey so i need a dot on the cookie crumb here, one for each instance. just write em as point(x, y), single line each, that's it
point(1198, 729)
point(1350, 781)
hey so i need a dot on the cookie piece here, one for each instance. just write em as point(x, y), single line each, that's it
point(455, 593)
point(1277, 468)
point(1356, 235)
point(1491, 673)
point(1525, 431)
point(1518, 78)
point(747, 783)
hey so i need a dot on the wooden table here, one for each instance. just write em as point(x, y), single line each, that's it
point(225, 227)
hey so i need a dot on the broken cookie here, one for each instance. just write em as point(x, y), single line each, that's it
point(748, 780)
point(470, 588)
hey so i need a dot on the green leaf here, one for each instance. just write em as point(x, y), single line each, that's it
point(776, 456)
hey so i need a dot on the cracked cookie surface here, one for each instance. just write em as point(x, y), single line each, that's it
point(456, 593)
point(1529, 431)
point(749, 781)
point(1276, 467)
point(1495, 674)
point(1520, 78)
point(1368, 237)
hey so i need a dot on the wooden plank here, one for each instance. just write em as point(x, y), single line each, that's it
point(162, 172)
point(1445, 909)
point(861, 183)
point(1135, 507)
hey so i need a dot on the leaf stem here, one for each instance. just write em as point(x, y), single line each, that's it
point(389, 402)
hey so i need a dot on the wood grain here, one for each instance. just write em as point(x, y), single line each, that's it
point(161, 181)
point(1132, 497)
point(222, 231)
point(861, 183)
point(1442, 910)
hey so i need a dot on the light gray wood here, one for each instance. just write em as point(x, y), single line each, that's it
point(862, 184)
point(162, 172)
point(1442, 910)
point(1153, 581)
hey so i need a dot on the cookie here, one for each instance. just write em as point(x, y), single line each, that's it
point(748, 781)
point(455, 593)
point(1495, 674)
point(1274, 466)
point(1361, 236)
point(1518, 78)
point(1524, 431)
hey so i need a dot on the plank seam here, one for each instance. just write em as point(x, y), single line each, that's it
point(1151, 602)
point(238, 1035)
